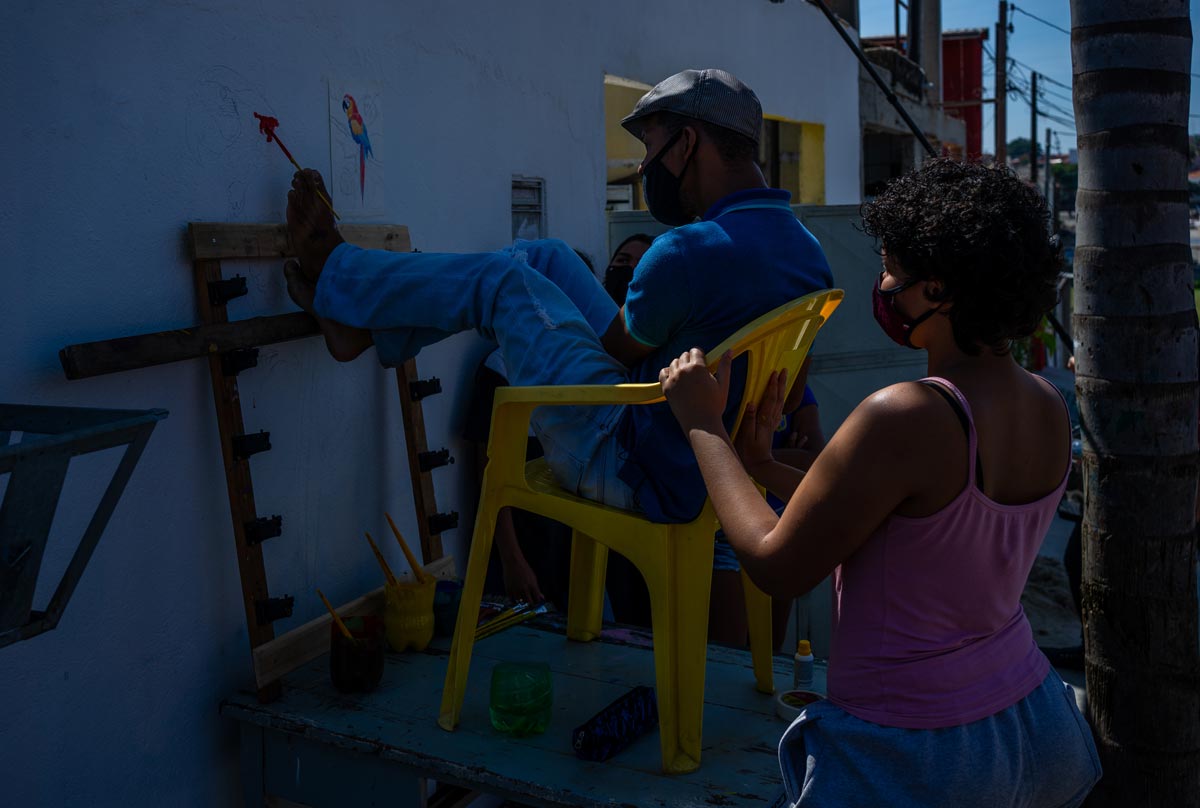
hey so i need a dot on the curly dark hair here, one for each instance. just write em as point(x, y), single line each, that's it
point(981, 232)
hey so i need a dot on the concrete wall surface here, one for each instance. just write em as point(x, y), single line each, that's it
point(127, 120)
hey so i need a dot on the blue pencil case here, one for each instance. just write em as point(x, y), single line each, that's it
point(617, 725)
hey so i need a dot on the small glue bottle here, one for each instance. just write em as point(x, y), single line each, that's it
point(802, 673)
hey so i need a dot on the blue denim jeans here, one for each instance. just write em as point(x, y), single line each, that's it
point(536, 299)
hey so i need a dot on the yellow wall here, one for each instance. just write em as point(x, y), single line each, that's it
point(801, 160)
point(624, 151)
point(812, 164)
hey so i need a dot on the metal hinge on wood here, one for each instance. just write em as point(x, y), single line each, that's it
point(234, 362)
point(246, 445)
point(262, 529)
point(427, 461)
point(221, 292)
point(272, 609)
point(423, 388)
point(442, 521)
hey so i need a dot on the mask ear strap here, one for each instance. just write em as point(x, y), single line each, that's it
point(913, 325)
point(670, 142)
point(687, 161)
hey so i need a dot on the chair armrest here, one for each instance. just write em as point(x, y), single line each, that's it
point(559, 395)
point(514, 406)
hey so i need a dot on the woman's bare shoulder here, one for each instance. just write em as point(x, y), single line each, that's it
point(906, 417)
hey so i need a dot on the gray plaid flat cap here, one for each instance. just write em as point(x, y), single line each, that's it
point(713, 96)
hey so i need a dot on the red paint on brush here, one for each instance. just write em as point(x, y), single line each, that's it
point(267, 126)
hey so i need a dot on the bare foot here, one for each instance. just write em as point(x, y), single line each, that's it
point(299, 288)
point(310, 224)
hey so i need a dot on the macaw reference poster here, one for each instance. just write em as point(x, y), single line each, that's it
point(357, 149)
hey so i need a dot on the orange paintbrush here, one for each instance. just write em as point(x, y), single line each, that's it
point(387, 571)
point(418, 571)
point(333, 613)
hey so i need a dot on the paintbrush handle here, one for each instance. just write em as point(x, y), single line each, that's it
point(333, 613)
point(494, 628)
point(387, 571)
point(292, 160)
point(328, 204)
point(510, 616)
point(417, 569)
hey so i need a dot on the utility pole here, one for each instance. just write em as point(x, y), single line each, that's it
point(1033, 155)
point(1049, 183)
point(1002, 85)
point(916, 45)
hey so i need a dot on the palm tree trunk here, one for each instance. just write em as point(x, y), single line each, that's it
point(1136, 354)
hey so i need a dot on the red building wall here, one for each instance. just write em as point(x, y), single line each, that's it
point(962, 80)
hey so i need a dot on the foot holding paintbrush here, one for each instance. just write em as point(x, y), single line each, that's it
point(310, 224)
point(313, 236)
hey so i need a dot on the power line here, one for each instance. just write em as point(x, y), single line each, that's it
point(1022, 92)
point(1055, 107)
point(1057, 120)
point(1039, 19)
point(1052, 94)
point(1057, 28)
point(1043, 75)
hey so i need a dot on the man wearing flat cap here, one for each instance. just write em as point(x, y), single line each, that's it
point(555, 324)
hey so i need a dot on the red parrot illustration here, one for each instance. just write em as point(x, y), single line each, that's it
point(358, 131)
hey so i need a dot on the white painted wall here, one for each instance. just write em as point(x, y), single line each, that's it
point(124, 121)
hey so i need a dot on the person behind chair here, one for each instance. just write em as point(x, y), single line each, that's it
point(551, 318)
point(928, 506)
point(620, 268)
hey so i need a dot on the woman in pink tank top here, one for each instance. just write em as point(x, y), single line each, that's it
point(928, 507)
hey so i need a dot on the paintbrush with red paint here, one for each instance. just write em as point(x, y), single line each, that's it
point(267, 126)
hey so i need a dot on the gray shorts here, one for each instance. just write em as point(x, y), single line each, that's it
point(1038, 752)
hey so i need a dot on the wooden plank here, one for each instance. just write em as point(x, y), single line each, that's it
point(237, 473)
point(146, 350)
point(422, 482)
point(301, 773)
point(284, 654)
point(396, 726)
point(214, 241)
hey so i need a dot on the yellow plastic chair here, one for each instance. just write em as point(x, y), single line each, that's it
point(675, 559)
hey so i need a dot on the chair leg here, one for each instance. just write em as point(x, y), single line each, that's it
point(758, 618)
point(679, 596)
point(585, 599)
point(455, 686)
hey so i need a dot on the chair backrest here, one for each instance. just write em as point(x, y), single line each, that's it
point(779, 339)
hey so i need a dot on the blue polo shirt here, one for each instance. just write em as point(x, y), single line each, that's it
point(694, 287)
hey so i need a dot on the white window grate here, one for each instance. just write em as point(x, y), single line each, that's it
point(528, 208)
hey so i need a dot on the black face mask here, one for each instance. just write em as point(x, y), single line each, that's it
point(661, 188)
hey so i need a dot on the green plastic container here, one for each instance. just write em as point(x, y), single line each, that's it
point(522, 695)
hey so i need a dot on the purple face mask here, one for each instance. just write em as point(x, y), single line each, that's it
point(893, 323)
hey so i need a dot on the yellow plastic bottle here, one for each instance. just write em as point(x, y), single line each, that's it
point(408, 614)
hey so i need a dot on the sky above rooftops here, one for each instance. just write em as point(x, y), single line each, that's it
point(1035, 44)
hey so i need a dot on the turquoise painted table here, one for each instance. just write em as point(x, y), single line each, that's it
point(319, 747)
